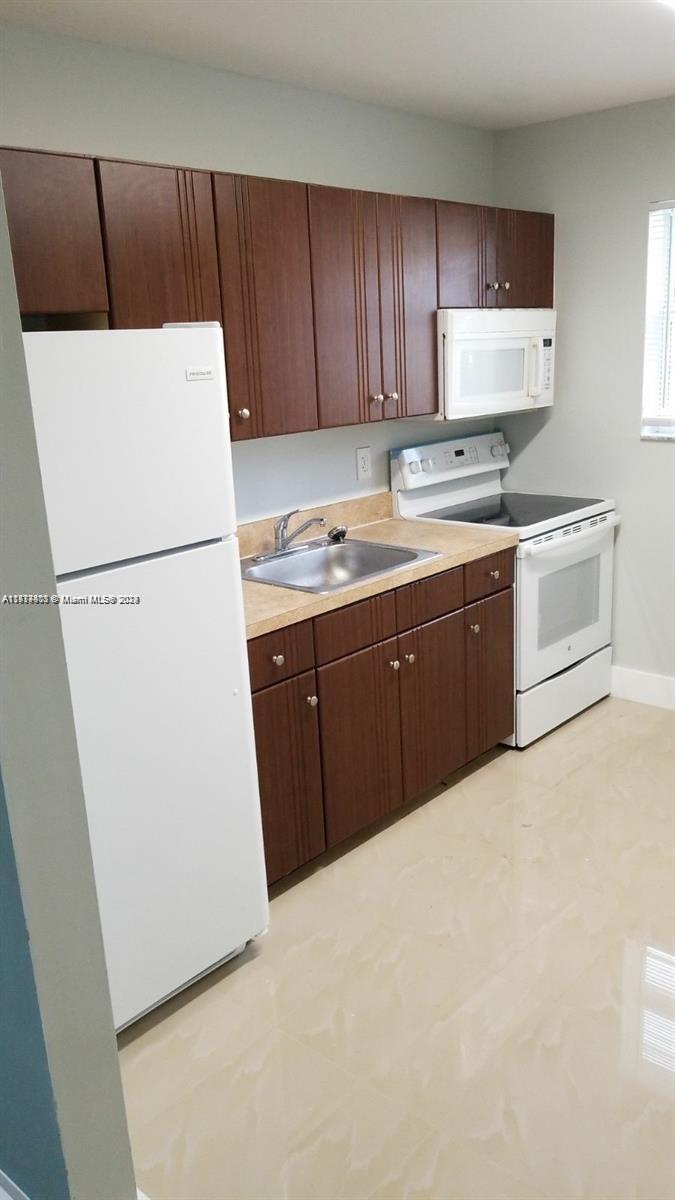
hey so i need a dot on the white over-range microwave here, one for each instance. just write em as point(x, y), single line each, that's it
point(495, 360)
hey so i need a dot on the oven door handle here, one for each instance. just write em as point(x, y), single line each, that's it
point(528, 550)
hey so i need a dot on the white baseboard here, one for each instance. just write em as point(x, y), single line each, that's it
point(9, 1190)
point(644, 688)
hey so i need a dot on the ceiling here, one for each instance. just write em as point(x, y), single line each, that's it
point(489, 63)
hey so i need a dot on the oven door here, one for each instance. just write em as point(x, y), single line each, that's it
point(564, 606)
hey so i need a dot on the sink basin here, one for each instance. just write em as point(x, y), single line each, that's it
point(324, 566)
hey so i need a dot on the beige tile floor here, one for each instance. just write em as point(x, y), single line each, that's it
point(475, 1003)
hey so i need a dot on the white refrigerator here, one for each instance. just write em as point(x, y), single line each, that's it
point(133, 440)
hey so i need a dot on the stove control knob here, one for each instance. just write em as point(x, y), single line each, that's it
point(497, 449)
point(415, 467)
point(427, 464)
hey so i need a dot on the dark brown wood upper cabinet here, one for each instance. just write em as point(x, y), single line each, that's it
point(415, 308)
point(525, 258)
point(263, 246)
point(289, 774)
point(55, 232)
point(479, 248)
point(467, 259)
point(360, 728)
point(433, 710)
point(343, 239)
point(489, 672)
point(374, 283)
point(160, 245)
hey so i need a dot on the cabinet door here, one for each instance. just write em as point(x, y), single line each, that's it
point(467, 260)
point(525, 258)
point(343, 237)
point(55, 232)
point(415, 310)
point(489, 672)
point(360, 739)
point(289, 774)
point(266, 285)
point(160, 245)
point(433, 711)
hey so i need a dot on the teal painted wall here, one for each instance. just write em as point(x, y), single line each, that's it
point(30, 1145)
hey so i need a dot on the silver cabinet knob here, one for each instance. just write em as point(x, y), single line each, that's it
point(244, 413)
point(495, 286)
point(474, 628)
point(378, 399)
point(506, 286)
point(494, 574)
point(395, 664)
point(391, 396)
point(409, 658)
point(312, 701)
point(278, 660)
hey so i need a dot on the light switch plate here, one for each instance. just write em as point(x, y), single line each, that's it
point(363, 463)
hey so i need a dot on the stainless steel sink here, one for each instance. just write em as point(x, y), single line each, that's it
point(324, 566)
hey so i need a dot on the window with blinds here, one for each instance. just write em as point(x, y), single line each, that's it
point(658, 380)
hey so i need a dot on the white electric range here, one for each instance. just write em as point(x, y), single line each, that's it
point(564, 562)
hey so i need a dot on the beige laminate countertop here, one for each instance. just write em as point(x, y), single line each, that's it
point(268, 607)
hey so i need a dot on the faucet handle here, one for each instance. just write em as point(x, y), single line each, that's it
point(338, 533)
point(285, 518)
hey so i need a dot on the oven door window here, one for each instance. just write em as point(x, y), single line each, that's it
point(569, 601)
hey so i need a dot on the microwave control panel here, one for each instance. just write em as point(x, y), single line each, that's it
point(420, 466)
point(547, 356)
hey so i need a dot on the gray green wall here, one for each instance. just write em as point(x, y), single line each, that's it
point(599, 173)
point(49, 858)
point(63, 94)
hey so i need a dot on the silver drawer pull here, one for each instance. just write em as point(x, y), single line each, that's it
point(506, 286)
point(410, 658)
point(244, 413)
point(391, 396)
point(494, 574)
point(474, 628)
point(278, 660)
point(395, 664)
point(312, 701)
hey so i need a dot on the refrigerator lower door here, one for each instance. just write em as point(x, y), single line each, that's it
point(162, 708)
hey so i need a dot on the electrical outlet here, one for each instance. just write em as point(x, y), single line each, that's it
point(363, 465)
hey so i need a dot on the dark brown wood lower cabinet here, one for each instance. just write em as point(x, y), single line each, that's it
point(360, 739)
point(289, 774)
point(489, 672)
point(433, 710)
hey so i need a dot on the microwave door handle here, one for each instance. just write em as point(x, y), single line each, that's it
point(536, 387)
point(528, 550)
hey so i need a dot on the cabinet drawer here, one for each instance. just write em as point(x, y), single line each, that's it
point(276, 656)
point(428, 599)
point(347, 630)
point(488, 575)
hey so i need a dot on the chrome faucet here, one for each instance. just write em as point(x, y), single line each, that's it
point(282, 538)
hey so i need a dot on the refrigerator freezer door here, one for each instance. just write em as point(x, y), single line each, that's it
point(162, 707)
point(133, 439)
